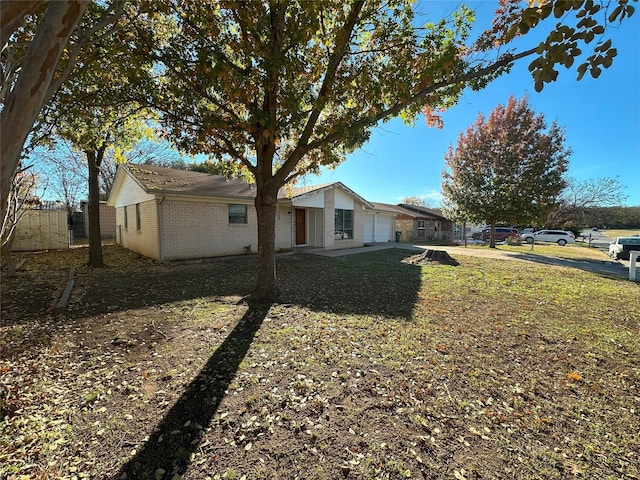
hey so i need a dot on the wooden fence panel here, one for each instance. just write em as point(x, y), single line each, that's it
point(41, 230)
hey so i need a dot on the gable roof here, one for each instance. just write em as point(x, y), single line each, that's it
point(163, 180)
point(153, 179)
point(301, 192)
point(418, 211)
point(385, 207)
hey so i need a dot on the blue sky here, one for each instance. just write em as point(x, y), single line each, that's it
point(601, 117)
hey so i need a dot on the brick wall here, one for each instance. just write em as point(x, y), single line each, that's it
point(198, 229)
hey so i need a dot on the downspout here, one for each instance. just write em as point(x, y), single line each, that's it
point(161, 229)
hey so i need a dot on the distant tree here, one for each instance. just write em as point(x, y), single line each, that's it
point(65, 171)
point(613, 217)
point(578, 197)
point(415, 200)
point(506, 169)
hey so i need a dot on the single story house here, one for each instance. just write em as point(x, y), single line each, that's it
point(420, 224)
point(170, 214)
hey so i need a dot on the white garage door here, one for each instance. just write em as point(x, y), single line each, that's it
point(384, 229)
point(369, 232)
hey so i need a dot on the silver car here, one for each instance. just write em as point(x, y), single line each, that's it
point(561, 237)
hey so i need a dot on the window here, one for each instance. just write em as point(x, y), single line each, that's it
point(126, 221)
point(343, 224)
point(138, 224)
point(422, 224)
point(237, 213)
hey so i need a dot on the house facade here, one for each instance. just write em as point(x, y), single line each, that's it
point(421, 224)
point(170, 214)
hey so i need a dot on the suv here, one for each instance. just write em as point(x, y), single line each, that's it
point(561, 237)
point(501, 234)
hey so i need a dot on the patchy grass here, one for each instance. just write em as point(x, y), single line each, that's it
point(371, 368)
point(620, 232)
point(578, 250)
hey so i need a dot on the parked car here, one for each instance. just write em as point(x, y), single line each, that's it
point(561, 237)
point(526, 230)
point(501, 234)
point(622, 246)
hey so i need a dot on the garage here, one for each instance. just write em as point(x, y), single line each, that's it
point(379, 224)
point(369, 228)
point(384, 228)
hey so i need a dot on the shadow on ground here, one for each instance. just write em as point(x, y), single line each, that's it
point(168, 450)
point(604, 268)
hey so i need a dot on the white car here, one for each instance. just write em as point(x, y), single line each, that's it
point(622, 246)
point(561, 237)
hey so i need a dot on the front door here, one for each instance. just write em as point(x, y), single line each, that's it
point(301, 226)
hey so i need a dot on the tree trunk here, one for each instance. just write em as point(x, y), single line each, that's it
point(266, 205)
point(8, 257)
point(25, 101)
point(492, 237)
point(93, 206)
point(437, 256)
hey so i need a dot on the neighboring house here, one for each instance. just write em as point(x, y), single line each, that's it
point(420, 224)
point(107, 219)
point(170, 214)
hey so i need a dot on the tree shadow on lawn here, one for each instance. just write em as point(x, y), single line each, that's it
point(606, 269)
point(178, 435)
point(346, 286)
point(372, 283)
point(375, 283)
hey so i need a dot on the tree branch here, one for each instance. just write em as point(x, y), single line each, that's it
point(339, 52)
point(422, 94)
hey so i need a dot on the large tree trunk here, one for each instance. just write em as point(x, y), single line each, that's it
point(93, 205)
point(25, 101)
point(266, 205)
point(8, 256)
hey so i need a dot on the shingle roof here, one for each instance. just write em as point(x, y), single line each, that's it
point(154, 179)
point(292, 192)
point(386, 207)
point(424, 211)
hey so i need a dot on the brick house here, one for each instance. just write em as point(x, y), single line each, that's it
point(421, 224)
point(170, 214)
